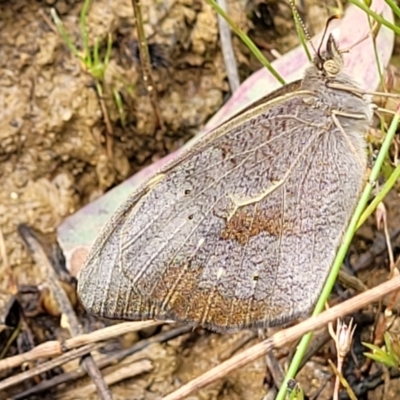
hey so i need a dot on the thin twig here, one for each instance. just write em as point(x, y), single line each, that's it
point(107, 121)
point(103, 362)
point(125, 372)
point(387, 237)
point(284, 337)
point(317, 341)
point(48, 273)
point(48, 21)
point(247, 41)
point(274, 368)
point(145, 61)
point(272, 364)
point(227, 49)
point(65, 307)
point(341, 379)
point(53, 348)
point(39, 369)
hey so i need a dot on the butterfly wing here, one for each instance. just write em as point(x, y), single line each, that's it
point(240, 231)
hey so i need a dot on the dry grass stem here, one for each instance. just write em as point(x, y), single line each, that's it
point(55, 348)
point(381, 220)
point(30, 373)
point(145, 62)
point(341, 379)
point(227, 49)
point(105, 361)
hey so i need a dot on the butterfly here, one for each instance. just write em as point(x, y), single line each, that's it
point(241, 230)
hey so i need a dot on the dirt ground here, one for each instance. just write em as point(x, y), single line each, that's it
point(54, 160)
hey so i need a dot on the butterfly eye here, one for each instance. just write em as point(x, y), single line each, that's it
point(331, 67)
point(187, 192)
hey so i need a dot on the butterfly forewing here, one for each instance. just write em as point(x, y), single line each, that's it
point(241, 231)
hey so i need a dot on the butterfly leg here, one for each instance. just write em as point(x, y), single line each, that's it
point(337, 123)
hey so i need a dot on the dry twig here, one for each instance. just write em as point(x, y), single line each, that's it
point(65, 307)
point(103, 361)
point(30, 373)
point(54, 348)
point(145, 62)
point(381, 219)
point(227, 50)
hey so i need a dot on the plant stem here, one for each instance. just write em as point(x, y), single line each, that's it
point(145, 61)
point(247, 41)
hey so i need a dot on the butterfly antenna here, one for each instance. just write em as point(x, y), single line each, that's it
point(330, 19)
point(302, 25)
point(372, 33)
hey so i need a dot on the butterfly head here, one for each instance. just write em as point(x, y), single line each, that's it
point(330, 62)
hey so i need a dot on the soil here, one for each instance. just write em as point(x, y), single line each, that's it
point(54, 157)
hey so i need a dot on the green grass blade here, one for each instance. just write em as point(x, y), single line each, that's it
point(64, 33)
point(378, 18)
point(84, 33)
point(395, 8)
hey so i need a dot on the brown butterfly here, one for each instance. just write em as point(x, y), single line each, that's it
point(241, 230)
